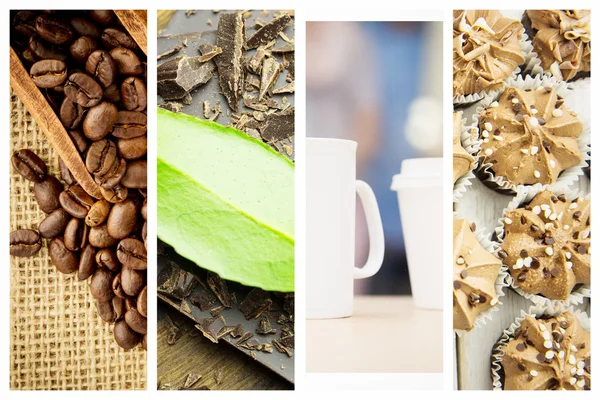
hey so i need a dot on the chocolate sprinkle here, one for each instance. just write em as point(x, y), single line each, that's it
point(457, 285)
point(524, 253)
point(540, 357)
point(545, 272)
point(582, 250)
point(522, 276)
point(464, 273)
point(554, 272)
point(542, 121)
point(577, 215)
point(522, 367)
point(502, 254)
point(549, 240)
point(562, 198)
point(473, 226)
point(523, 220)
point(534, 228)
point(521, 347)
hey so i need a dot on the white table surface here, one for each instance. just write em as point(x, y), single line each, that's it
point(385, 335)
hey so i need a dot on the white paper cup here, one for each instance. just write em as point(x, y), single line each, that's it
point(420, 194)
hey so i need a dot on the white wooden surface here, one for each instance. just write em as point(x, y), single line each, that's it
point(484, 206)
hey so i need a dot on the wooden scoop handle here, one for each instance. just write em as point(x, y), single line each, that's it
point(136, 23)
point(45, 117)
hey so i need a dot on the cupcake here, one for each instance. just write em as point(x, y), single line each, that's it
point(546, 245)
point(529, 136)
point(562, 40)
point(487, 51)
point(462, 161)
point(546, 353)
point(475, 274)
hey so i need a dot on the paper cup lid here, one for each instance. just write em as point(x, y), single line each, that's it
point(419, 172)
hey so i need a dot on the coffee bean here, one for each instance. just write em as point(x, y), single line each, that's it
point(54, 224)
point(85, 27)
point(129, 124)
point(48, 73)
point(131, 149)
point(76, 201)
point(132, 253)
point(83, 90)
point(24, 23)
point(122, 219)
point(99, 120)
point(63, 259)
point(101, 285)
point(75, 234)
point(115, 194)
point(65, 173)
point(132, 281)
point(102, 67)
point(99, 237)
point(136, 321)
point(71, 115)
point(133, 94)
point(118, 305)
point(101, 156)
point(43, 50)
point(127, 61)
point(82, 47)
point(135, 176)
point(117, 37)
point(105, 310)
point(142, 302)
point(87, 263)
point(25, 243)
point(29, 165)
point(117, 287)
point(98, 213)
point(47, 193)
point(107, 258)
point(52, 29)
point(114, 176)
point(103, 17)
point(125, 336)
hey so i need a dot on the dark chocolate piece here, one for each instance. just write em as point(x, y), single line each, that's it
point(210, 328)
point(191, 380)
point(265, 347)
point(281, 347)
point(203, 301)
point(172, 106)
point(288, 303)
point(179, 76)
point(184, 307)
point(208, 51)
point(255, 303)
point(245, 336)
point(238, 331)
point(254, 64)
point(216, 311)
point(278, 126)
point(226, 330)
point(231, 34)
point(251, 344)
point(219, 288)
point(289, 88)
point(270, 72)
point(288, 48)
point(269, 32)
point(289, 64)
point(176, 282)
point(264, 327)
point(252, 82)
point(288, 341)
point(169, 53)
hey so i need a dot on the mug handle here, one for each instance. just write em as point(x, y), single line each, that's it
point(375, 229)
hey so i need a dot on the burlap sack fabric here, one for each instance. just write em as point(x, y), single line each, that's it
point(57, 339)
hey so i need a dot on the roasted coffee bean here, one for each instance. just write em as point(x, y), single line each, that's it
point(142, 302)
point(99, 120)
point(114, 176)
point(117, 37)
point(117, 287)
point(52, 29)
point(85, 27)
point(76, 201)
point(82, 47)
point(29, 56)
point(132, 281)
point(71, 114)
point(65, 173)
point(103, 17)
point(129, 124)
point(43, 50)
point(75, 234)
point(107, 258)
point(101, 284)
point(78, 138)
point(65, 260)
point(118, 305)
point(127, 61)
point(102, 67)
point(98, 213)
point(115, 194)
point(101, 157)
point(54, 224)
point(47, 193)
point(131, 149)
point(135, 176)
point(99, 237)
point(83, 90)
point(136, 321)
point(123, 219)
point(132, 253)
point(133, 94)
point(25, 243)
point(113, 93)
point(105, 310)
point(48, 73)
point(145, 209)
point(125, 336)
point(87, 263)
point(24, 23)
point(29, 165)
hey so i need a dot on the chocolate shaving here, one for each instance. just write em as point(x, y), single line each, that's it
point(238, 331)
point(203, 301)
point(169, 53)
point(265, 348)
point(288, 63)
point(278, 126)
point(231, 34)
point(270, 72)
point(191, 380)
point(245, 336)
point(184, 307)
point(269, 31)
point(179, 76)
point(250, 344)
point(226, 330)
point(288, 341)
point(254, 64)
point(288, 48)
point(265, 328)
point(216, 311)
point(219, 288)
point(172, 106)
point(255, 303)
point(252, 82)
point(281, 347)
point(210, 328)
point(208, 51)
point(289, 88)
point(178, 284)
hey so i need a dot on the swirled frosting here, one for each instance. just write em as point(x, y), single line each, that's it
point(563, 41)
point(486, 50)
point(462, 161)
point(548, 354)
point(529, 136)
point(547, 245)
point(475, 274)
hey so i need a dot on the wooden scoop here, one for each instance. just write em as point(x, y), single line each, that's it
point(136, 23)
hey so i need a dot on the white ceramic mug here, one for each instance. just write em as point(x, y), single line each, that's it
point(331, 188)
point(420, 197)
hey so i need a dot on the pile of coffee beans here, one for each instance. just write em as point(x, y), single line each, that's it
point(93, 75)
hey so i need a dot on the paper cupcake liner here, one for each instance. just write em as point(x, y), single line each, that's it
point(533, 311)
point(500, 284)
point(526, 49)
point(470, 142)
point(566, 177)
point(576, 296)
